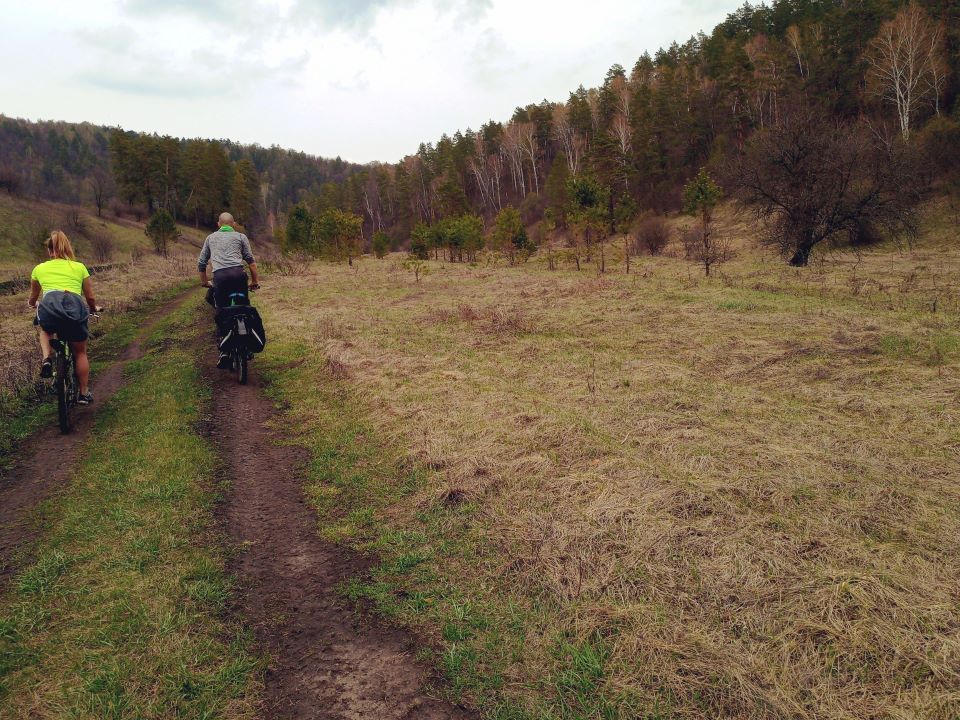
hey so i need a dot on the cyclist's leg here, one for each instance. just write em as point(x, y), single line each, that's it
point(45, 347)
point(82, 364)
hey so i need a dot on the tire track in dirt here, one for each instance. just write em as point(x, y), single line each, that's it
point(328, 661)
point(48, 458)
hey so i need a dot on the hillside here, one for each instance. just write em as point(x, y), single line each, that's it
point(85, 164)
point(651, 124)
point(26, 223)
point(610, 495)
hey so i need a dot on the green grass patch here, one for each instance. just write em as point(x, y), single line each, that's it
point(120, 614)
point(931, 348)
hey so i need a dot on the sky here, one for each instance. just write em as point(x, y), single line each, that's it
point(367, 80)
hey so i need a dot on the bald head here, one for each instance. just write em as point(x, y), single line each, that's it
point(226, 219)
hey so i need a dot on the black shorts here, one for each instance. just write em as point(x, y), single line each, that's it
point(65, 315)
point(230, 287)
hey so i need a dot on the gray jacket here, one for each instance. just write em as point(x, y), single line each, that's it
point(225, 249)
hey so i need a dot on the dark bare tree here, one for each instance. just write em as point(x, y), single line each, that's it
point(810, 179)
point(101, 184)
point(9, 180)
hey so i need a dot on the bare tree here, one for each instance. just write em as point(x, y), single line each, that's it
point(938, 67)
point(765, 56)
point(704, 247)
point(622, 136)
point(905, 63)
point(100, 184)
point(481, 172)
point(809, 180)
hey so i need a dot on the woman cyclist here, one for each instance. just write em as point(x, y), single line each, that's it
point(62, 280)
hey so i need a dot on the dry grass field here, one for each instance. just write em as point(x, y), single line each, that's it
point(650, 495)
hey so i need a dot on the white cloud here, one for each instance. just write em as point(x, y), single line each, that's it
point(367, 80)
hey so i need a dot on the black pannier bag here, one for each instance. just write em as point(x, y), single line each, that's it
point(241, 328)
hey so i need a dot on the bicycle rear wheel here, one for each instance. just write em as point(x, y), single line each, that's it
point(240, 365)
point(64, 384)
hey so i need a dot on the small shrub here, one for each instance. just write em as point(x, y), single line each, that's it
point(291, 264)
point(101, 246)
point(162, 230)
point(704, 248)
point(417, 266)
point(652, 235)
point(381, 244)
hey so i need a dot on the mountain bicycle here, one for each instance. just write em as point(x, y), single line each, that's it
point(65, 384)
point(242, 332)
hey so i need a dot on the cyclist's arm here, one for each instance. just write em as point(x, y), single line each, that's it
point(88, 294)
point(247, 254)
point(34, 293)
point(202, 262)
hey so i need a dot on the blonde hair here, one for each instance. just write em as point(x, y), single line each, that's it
point(58, 244)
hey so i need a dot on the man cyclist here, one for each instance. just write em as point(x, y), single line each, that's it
point(227, 250)
point(60, 312)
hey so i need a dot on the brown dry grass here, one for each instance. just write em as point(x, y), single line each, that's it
point(747, 487)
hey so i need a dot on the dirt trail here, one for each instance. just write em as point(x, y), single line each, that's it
point(48, 457)
point(328, 661)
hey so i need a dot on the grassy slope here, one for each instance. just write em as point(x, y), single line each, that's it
point(121, 614)
point(24, 223)
point(653, 495)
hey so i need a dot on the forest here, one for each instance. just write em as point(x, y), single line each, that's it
point(134, 174)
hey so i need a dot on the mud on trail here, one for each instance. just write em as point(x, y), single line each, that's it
point(327, 660)
point(47, 458)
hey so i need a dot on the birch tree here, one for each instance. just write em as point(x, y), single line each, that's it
point(512, 148)
point(566, 135)
point(904, 63)
point(530, 147)
point(795, 41)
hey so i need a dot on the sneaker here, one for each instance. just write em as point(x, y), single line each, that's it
point(85, 399)
point(46, 370)
point(224, 362)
